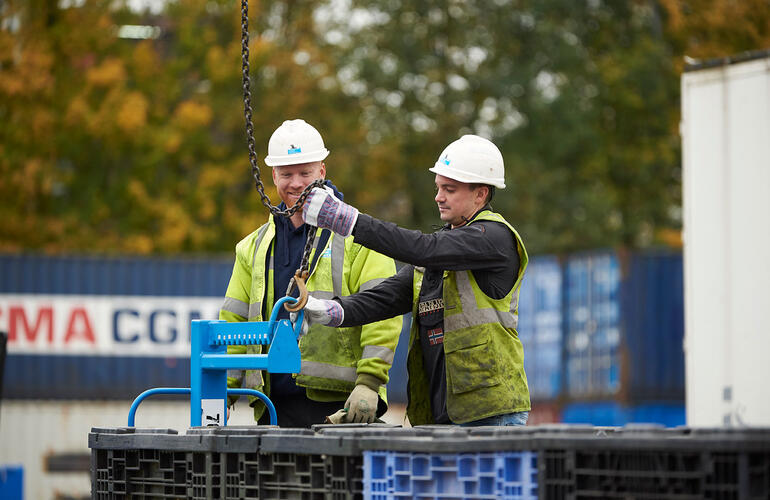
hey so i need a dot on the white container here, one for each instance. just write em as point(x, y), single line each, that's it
point(35, 430)
point(32, 431)
point(726, 183)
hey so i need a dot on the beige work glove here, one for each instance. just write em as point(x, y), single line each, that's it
point(361, 405)
point(337, 418)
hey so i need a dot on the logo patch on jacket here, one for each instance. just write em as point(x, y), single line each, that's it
point(430, 306)
point(326, 253)
point(436, 336)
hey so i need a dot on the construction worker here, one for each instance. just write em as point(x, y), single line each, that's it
point(465, 360)
point(340, 368)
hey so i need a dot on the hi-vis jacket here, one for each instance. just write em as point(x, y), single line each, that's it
point(482, 352)
point(334, 361)
point(484, 357)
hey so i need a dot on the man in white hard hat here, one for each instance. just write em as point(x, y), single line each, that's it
point(465, 359)
point(340, 368)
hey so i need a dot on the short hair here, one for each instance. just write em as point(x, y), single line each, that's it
point(490, 193)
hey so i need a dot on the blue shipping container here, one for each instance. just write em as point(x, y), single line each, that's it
point(52, 373)
point(540, 326)
point(592, 329)
point(623, 334)
point(613, 413)
point(653, 327)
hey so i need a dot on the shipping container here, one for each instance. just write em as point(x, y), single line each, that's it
point(726, 199)
point(652, 319)
point(540, 326)
point(96, 328)
point(49, 439)
point(624, 327)
point(592, 325)
point(589, 331)
point(614, 413)
point(101, 327)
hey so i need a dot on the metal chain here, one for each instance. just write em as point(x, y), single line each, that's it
point(305, 264)
point(250, 127)
point(253, 153)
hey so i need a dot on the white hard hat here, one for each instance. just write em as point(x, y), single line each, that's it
point(472, 159)
point(295, 142)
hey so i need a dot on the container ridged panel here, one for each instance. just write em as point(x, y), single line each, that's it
point(91, 275)
point(592, 331)
point(540, 327)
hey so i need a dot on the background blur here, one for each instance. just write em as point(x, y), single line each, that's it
point(125, 183)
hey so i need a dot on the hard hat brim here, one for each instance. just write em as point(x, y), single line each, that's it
point(295, 159)
point(466, 177)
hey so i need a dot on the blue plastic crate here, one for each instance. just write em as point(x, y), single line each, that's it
point(391, 475)
point(540, 326)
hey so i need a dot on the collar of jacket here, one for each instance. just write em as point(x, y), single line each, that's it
point(448, 226)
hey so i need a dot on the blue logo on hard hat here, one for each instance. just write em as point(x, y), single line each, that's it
point(445, 159)
point(294, 149)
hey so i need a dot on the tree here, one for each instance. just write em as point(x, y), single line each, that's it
point(115, 144)
point(580, 98)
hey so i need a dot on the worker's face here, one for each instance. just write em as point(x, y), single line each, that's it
point(291, 180)
point(457, 200)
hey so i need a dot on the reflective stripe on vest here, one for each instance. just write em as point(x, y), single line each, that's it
point(326, 370)
point(472, 315)
point(370, 284)
point(338, 263)
point(236, 306)
point(253, 378)
point(380, 352)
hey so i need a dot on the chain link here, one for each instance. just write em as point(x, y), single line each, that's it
point(277, 212)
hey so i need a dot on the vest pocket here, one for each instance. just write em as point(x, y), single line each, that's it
point(471, 364)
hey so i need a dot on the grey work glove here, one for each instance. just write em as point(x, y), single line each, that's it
point(321, 312)
point(323, 209)
point(361, 405)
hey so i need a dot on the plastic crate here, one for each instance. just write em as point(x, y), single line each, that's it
point(645, 462)
point(224, 463)
point(391, 475)
point(381, 462)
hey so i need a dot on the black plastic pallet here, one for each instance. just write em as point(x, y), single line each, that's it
point(328, 462)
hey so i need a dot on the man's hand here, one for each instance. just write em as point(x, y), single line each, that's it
point(323, 209)
point(361, 405)
point(320, 311)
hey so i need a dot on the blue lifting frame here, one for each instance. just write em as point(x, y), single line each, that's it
point(209, 363)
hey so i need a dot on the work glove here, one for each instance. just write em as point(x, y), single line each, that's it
point(361, 405)
point(323, 209)
point(320, 311)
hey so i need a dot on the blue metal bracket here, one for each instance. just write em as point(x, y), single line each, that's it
point(209, 363)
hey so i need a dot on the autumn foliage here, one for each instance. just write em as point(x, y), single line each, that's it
point(114, 144)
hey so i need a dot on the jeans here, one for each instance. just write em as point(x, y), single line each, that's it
point(507, 419)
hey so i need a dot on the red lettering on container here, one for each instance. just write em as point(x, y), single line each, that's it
point(17, 318)
point(79, 327)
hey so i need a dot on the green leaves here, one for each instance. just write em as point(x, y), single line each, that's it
point(117, 144)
